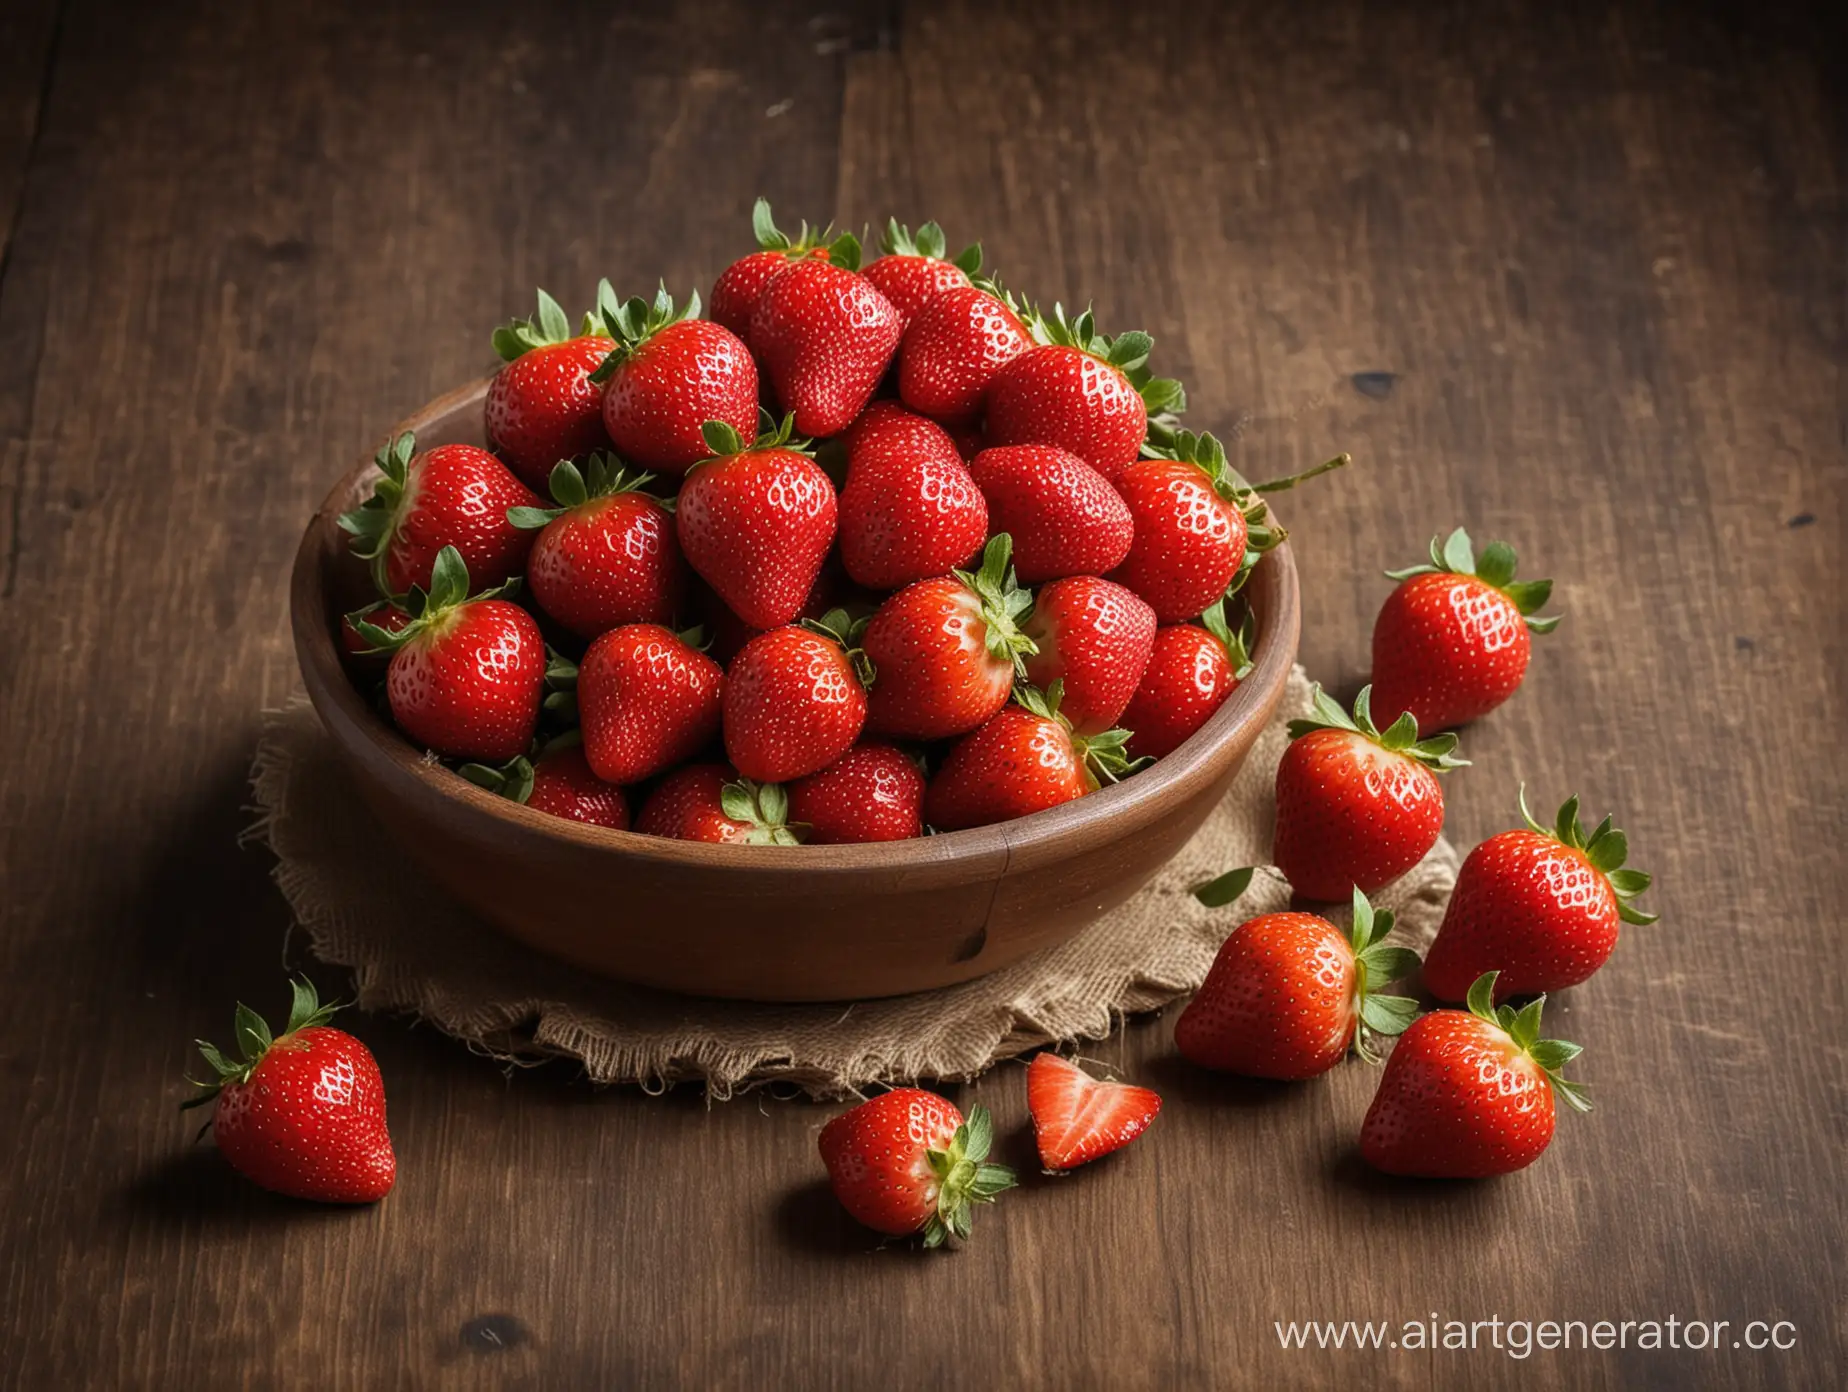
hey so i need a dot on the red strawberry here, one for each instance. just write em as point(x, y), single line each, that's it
point(453, 495)
point(560, 783)
point(608, 554)
point(757, 521)
point(1541, 906)
point(873, 792)
point(913, 271)
point(361, 656)
point(666, 375)
point(1450, 644)
point(795, 700)
point(1063, 517)
point(906, 1160)
point(708, 802)
point(1079, 390)
point(466, 675)
point(1290, 993)
point(969, 440)
point(825, 337)
point(1192, 669)
point(1024, 760)
point(302, 1113)
point(734, 294)
point(910, 510)
point(1467, 1095)
point(1356, 808)
point(1095, 638)
point(885, 426)
point(945, 651)
point(1076, 1118)
point(646, 701)
point(954, 347)
point(727, 634)
point(543, 406)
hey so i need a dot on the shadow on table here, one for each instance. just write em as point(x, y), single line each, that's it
point(195, 1187)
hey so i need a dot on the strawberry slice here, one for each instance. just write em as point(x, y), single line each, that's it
point(1076, 1118)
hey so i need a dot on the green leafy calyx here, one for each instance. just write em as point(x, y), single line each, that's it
point(1455, 555)
point(512, 780)
point(929, 241)
point(1005, 605)
point(765, 808)
point(520, 336)
point(1162, 397)
point(841, 627)
point(254, 1041)
point(1237, 643)
point(1523, 1027)
point(373, 523)
point(1376, 964)
point(965, 1177)
point(429, 609)
point(1605, 847)
point(843, 248)
point(1105, 756)
point(725, 442)
point(603, 475)
point(633, 322)
point(1401, 737)
point(1221, 890)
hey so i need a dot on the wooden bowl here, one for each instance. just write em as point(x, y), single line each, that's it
point(808, 923)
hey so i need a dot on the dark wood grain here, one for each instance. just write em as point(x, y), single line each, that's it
point(1571, 275)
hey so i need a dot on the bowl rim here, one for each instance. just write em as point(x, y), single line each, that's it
point(1074, 827)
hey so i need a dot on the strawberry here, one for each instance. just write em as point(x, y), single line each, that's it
point(1024, 760)
point(1082, 391)
point(1094, 637)
point(667, 374)
point(560, 782)
point(302, 1113)
point(1192, 669)
point(954, 347)
point(543, 406)
point(466, 674)
point(727, 633)
point(873, 792)
point(1290, 993)
point(708, 802)
point(945, 651)
point(1451, 642)
point(607, 554)
point(1076, 1118)
point(1543, 906)
point(913, 271)
point(1469, 1094)
point(756, 521)
point(1063, 517)
point(825, 337)
point(910, 510)
point(906, 1160)
point(795, 700)
point(453, 495)
point(646, 701)
point(1356, 808)
point(734, 294)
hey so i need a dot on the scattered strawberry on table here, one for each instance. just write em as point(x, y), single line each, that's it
point(303, 1112)
point(1077, 1118)
point(906, 1161)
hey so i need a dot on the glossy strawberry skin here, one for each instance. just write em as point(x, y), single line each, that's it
point(1350, 814)
point(793, 705)
point(685, 806)
point(1055, 395)
point(876, 1162)
point(1076, 1118)
point(1063, 517)
point(934, 676)
point(1449, 649)
point(542, 407)
point(458, 495)
point(885, 425)
point(736, 291)
point(682, 376)
point(1457, 1100)
point(469, 686)
point(757, 527)
point(646, 701)
point(1188, 543)
point(873, 792)
point(1016, 764)
point(1279, 1002)
point(952, 350)
point(726, 633)
point(310, 1122)
point(907, 515)
point(1095, 637)
point(612, 561)
point(1525, 905)
point(565, 786)
point(1188, 677)
point(825, 337)
point(911, 282)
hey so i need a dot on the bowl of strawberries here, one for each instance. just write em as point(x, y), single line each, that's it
point(859, 639)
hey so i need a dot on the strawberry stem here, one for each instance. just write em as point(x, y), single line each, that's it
point(254, 1040)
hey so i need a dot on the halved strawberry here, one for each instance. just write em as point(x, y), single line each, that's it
point(1094, 638)
point(543, 406)
point(825, 337)
point(646, 701)
point(1063, 517)
point(1192, 668)
point(914, 271)
point(954, 347)
point(735, 292)
point(1076, 1118)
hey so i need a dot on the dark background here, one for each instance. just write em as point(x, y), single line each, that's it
point(1570, 274)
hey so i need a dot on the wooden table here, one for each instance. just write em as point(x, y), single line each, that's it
point(1571, 276)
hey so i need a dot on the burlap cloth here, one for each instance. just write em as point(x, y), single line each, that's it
point(411, 951)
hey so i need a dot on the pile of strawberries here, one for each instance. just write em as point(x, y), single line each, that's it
point(866, 553)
